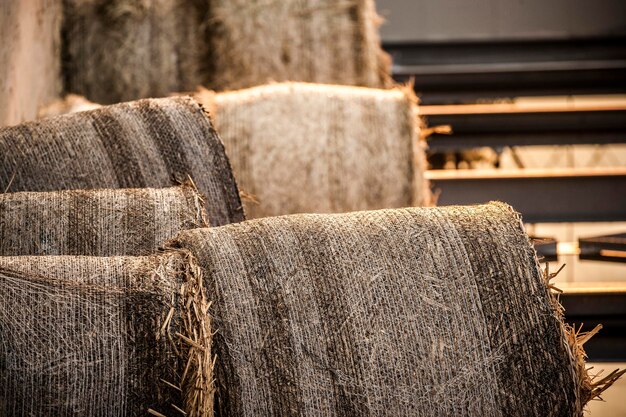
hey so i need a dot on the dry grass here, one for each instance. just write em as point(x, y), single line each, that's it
point(71, 103)
point(298, 147)
point(123, 50)
point(104, 336)
point(143, 143)
point(193, 343)
point(105, 222)
point(590, 386)
point(320, 41)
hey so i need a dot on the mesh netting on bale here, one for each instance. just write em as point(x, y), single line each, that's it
point(96, 222)
point(406, 312)
point(144, 143)
point(88, 336)
point(300, 147)
point(124, 50)
point(30, 65)
point(320, 41)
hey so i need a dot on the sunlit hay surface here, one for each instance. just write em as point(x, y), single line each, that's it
point(298, 147)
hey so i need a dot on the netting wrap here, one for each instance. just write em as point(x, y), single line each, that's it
point(97, 222)
point(144, 143)
point(416, 312)
point(91, 336)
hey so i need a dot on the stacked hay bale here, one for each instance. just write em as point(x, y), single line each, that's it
point(97, 222)
point(95, 336)
point(108, 336)
point(30, 64)
point(414, 312)
point(71, 103)
point(125, 50)
point(394, 312)
point(144, 143)
point(300, 147)
point(321, 41)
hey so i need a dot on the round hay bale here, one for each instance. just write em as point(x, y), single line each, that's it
point(71, 103)
point(145, 143)
point(89, 336)
point(97, 222)
point(406, 312)
point(124, 50)
point(30, 64)
point(300, 147)
point(318, 41)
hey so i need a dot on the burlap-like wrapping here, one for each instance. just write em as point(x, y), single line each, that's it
point(120, 50)
point(30, 52)
point(319, 41)
point(97, 222)
point(310, 148)
point(138, 144)
point(89, 336)
point(407, 312)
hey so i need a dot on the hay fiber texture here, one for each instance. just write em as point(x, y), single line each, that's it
point(406, 312)
point(124, 50)
point(298, 147)
point(145, 143)
point(95, 336)
point(71, 103)
point(97, 222)
point(318, 41)
point(30, 64)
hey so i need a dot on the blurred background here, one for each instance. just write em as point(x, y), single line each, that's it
point(534, 93)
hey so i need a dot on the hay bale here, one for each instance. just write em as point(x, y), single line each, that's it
point(316, 148)
point(409, 312)
point(71, 103)
point(130, 145)
point(318, 41)
point(89, 336)
point(124, 50)
point(30, 64)
point(96, 222)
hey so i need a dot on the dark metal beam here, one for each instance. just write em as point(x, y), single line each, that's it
point(572, 195)
point(546, 248)
point(496, 128)
point(461, 72)
point(609, 248)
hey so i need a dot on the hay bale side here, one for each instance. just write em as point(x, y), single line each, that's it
point(145, 143)
point(96, 336)
point(327, 41)
point(97, 222)
point(317, 148)
point(30, 64)
point(408, 312)
point(124, 50)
